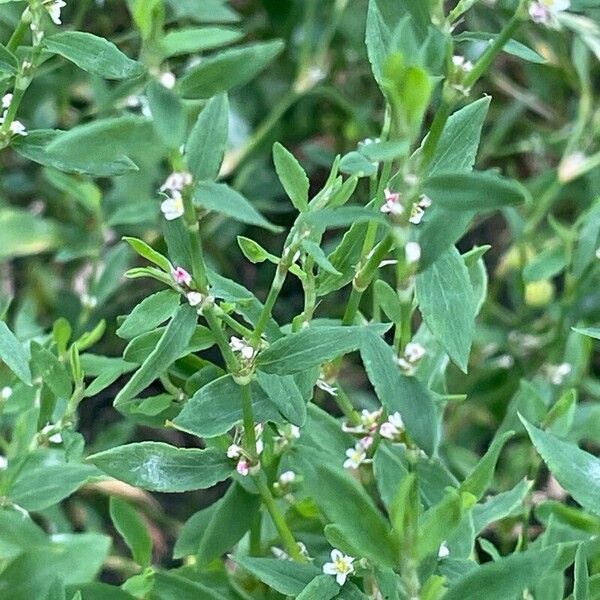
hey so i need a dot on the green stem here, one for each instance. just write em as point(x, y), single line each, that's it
point(287, 537)
point(344, 404)
point(17, 37)
point(435, 132)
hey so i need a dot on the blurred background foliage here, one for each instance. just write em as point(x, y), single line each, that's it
point(60, 248)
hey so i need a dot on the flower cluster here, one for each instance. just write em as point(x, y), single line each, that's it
point(241, 346)
point(185, 282)
point(246, 464)
point(172, 207)
point(413, 353)
point(16, 127)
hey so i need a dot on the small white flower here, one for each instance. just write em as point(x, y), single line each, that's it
point(279, 553)
point(393, 427)
point(56, 438)
point(414, 352)
point(369, 419)
point(545, 12)
point(88, 301)
point(416, 213)
point(172, 208)
point(176, 181)
point(6, 100)
point(443, 551)
point(326, 387)
point(54, 7)
point(181, 276)
point(412, 252)
point(294, 432)
point(366, 442)
point(194, 298)
point(392, 204)
point(234, 451)
point(241, 346)
point(460, 63)
point(287, 478)
point(341, 566)
point(571, 167)
point(6, 392)
point(3, 462)
point(597, 252)
point(505, 361)
point(558, 373)
point(168, 79)
point(355, 457)
point(17, 128)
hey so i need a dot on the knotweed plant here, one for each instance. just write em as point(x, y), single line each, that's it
point(386, 387)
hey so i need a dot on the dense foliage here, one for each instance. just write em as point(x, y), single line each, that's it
point(299, 298)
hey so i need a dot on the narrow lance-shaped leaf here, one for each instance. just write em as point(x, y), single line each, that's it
point(224, 200)
point(159, 467)
point(149, 314)
point(230, 68)
point(94, 54)
point(173, 341)
point(13, 354)
point(206, 144)
point(576, 470)
point(399, 393)
point(312, 347)
point(168, 114)
point(292, 177)
point(285, 395)
point(445, 296)
point(130, 525)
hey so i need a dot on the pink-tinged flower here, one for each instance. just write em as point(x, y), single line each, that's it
point(176, 182)
point(414, 352)
point(243, 468)
point(341, 566)
point(392, 428)
point(181, 276)
point(172, 208)
point(355, 457)
point(366, 442)
point(545, 12)
point(392, 204)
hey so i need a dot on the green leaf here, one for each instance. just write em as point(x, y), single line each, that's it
point(174, 339)
point(509, 576)
point(169, 585)
point(481, 477)
point(511, 47)
point(228, 69)
point(581, 588)
point(389, 468)
point(190, 40)
point(145, 251)
point(312, 347)
point(47, 368)
point(132, 529)
point(8, 61)
point(76, 558)
point(457, 149)
point(220, 198)
point(253, 251)
point(13, 354)
point(42, 484)
point(500, 506)
point(18, 533)
point(593, 332)
point(94, 55)
point(399, 393)
point(158, 467)
point(206, 145)
point(285, 577)
point(285, 395)
point(314, 251)
point(346, 504)
point(355, 163)
point(384, 151)
point(445, 297)
point(472, 191)
point(576, 470)
point(322, 587)
point(388, 300)
point(36, 147)
point(149, 314)
point(292, 177)
point(545, 265)
point(232, 518)
point(216, 407)
point(168, 114)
